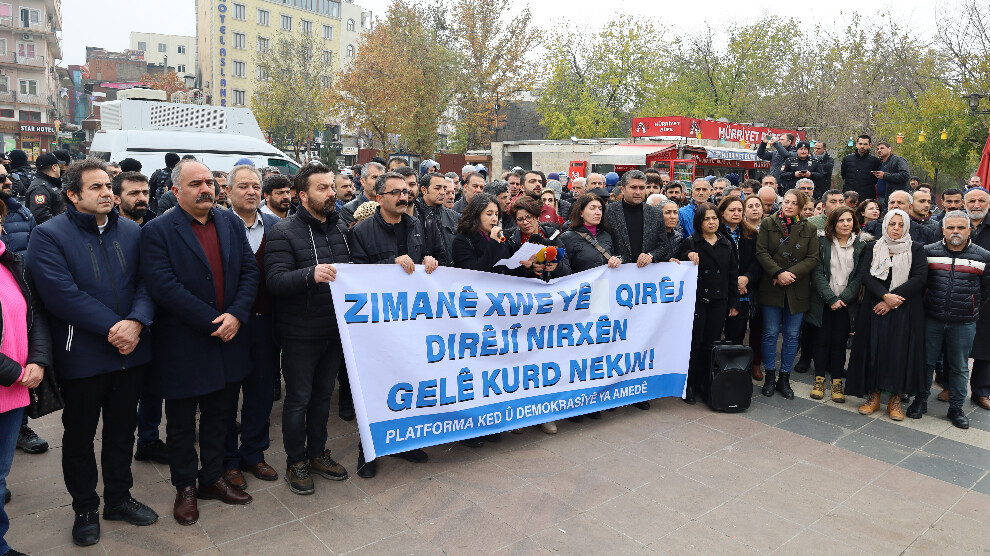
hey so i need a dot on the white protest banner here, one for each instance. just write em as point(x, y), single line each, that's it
point(437, 358)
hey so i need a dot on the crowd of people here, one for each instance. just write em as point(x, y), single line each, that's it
point(205, 291)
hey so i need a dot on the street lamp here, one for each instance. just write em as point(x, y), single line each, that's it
point(974, 103)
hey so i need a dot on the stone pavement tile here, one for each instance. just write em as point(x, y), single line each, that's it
point(31, 467)
point(873, 447)
point(767, 414)
point(468, 531)
point(524, 547)
point(970, 436)
point(453, 455)
point(974, 505)
point(353, 525)
point(953, 534)
point(532, 462)
point(810, 543)
point(164, 538)
point(753, 456)
point(581, 487)
point(793, 444)
point(959, 451)
point(55, 526)
point(697, 538)
point(943, 469)
point(799, 404)
point(722, 475)
point(984, 485)
point(225, 522)
point(922, 488)
point(685, 495)
point(625, 469)
point(392, 473)
point(828, 484)
point(578, 446)
point(328, 494)
point(617, 431)
point(39, 495)
point(638, 517)
point(528, 509)
point(421, 501)
point(898, 434)
point(407, 542)
point(479, 481)
point(291, 538)
point(666, 452)
point(797, 505)
point(860, 530)
point(850, 463)
point(896, 509)
point(756, 528)
point(819, 430)
point(980, 419)
point(700, 437)
point(830, 413)
point(585, 535)
point(733, 424)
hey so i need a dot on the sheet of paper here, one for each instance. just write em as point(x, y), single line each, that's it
point(524, 253)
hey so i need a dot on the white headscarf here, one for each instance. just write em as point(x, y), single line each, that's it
point(893, 256)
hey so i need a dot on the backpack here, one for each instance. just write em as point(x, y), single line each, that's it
point(21, 181)
point(162, 182)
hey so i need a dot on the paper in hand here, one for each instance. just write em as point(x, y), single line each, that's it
point(524, 253)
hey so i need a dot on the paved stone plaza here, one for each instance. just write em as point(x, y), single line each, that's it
point(786, 477)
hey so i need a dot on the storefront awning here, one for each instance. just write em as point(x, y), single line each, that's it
point(634, 155)
point(720, 153)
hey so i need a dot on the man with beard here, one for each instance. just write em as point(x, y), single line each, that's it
point(533, 183)
point(277, 190)
point(44, 197)
point(977, 202)
point(220, 181)
point(131, 193)
point(344, 186)
point(432, 213)
point(859, 170)
point(299, 259)
point(955, 299)
point(19, 222)
point(391, 236)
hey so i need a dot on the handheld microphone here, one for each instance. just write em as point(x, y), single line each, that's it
point(501, 237)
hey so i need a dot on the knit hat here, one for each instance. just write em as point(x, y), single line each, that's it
point(733, 179)
point(17, 157)
point(554, 186)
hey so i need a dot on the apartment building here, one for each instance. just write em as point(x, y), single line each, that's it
point(177, 51)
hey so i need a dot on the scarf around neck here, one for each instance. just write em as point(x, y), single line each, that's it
point(892, 257)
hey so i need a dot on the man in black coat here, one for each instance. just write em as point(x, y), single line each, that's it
point(638, 232)
point(801, 165)
point(299, 259)
point(369, 174)
point(921, 231)
point(893, 174)
point(438, 220)
point(828, 164)
point(859, 169)
point(201, 272)
point(977, 202)
point(44, 197)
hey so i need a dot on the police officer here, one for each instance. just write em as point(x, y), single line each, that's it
point(44, 196)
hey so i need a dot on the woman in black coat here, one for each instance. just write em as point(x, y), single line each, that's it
point(525, 212)
point(888, 353)
point(587, 241)
point(743, 236)
point(718, 293)
point(479, 242)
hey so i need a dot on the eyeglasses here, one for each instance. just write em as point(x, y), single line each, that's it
point(398, 193)
point(524, 219)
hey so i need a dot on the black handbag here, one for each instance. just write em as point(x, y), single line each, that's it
point(46, 397)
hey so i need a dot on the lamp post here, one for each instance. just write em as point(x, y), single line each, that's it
point(974, 103)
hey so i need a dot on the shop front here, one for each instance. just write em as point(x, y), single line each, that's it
point(35, 139)
point(680, 162)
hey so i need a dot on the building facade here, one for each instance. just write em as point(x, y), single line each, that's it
point(231, 33)
point(175, 51)
point(29, 88)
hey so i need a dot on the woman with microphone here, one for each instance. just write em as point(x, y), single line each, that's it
point(479, 242)
point(526, 213)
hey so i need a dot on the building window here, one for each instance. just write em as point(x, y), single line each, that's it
point(240, 69)
point(29, 86)
point(30, 116)
point(240, 40)
point(181, 68)
point(239, 97)
point(25, 50)
point(327, 32)
point(240, 12)
point(287, 22)
point(30, 17)
point(262, 74)
point(4, 85)
point(181, 49)
point(327, 82)
point(334, 8)
point(262, 44)
point(142, 45)
point(263, 17)
point(162, 47)
point(3, 47)
point(6, 112)
point(6, 11)
point(307, 27)
point(350, 24)
point(350, 51)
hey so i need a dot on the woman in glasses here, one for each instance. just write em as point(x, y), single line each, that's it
point(526, 213)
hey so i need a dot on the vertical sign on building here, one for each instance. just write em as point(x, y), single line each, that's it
point(222, 8)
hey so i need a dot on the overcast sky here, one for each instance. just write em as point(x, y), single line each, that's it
point(107, 23)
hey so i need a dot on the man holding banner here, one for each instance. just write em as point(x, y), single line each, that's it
point(391, 236)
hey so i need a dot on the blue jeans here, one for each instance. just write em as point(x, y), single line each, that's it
point(10, 426)
point(775, 321)
point(958, 338)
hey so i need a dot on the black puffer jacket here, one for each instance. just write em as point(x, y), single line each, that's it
point(581, 254)
point(303, 308)
point(958, 285)
point(374, 241)
point(39, 338)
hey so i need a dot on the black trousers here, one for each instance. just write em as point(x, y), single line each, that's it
point(180, 428)
point(344, 398)
point(808, 334)
point(709, 319)
point(113, 395)
point(979, 380)
point(310, 369)
point(830, 343)
point(735, 327)
point(256, 408)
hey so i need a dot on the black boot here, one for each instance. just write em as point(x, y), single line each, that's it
point(689, 396)
point(917, 408)
point(768, 383)
point(784, 386)
point(802, 366)
point(958, 418)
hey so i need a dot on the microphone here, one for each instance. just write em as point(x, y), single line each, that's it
point(501, 237)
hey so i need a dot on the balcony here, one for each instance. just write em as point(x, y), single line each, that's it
point(7, 96)
point(38, 62)
point(31, 99)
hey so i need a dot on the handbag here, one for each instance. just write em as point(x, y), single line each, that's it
point(45, 397)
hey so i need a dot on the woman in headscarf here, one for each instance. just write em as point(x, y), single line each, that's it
point(888, 348)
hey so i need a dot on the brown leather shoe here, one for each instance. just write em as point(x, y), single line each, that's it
point(757, 372)
point(943, 396)
point(264, 472)
point(186, 511)
point(235, 478)
point(224, 492)
point(982, 401)
point(894, 408)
